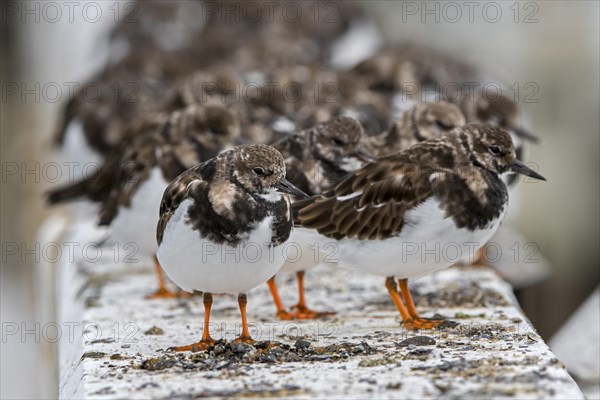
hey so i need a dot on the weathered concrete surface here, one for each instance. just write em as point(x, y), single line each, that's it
point(119, 341)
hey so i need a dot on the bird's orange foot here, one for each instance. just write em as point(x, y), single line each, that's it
point(162, 293)
point(284, 315)
point(303, 312)
point(194, 347)
point(423, 323)
point(244, 339)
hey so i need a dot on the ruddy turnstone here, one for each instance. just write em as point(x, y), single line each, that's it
point(500, 111)
point(412, 213)
point(287, 100)
point(354, 98)
point(504, 113)
point(316, 159)
point(413, 68)
point(130, 185)
point(100, 115)
point(421, 122)
point(243, 94)
point(222, 224)
point(141, 64)
point(418, 72)
point(322, 155)
point(425, 74)
point(219, 84)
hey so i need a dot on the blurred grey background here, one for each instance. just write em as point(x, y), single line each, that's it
point(553, 44)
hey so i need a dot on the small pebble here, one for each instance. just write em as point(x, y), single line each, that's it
point(417, 341)
point(241, 348)
point(154, 330)
point(302, 344)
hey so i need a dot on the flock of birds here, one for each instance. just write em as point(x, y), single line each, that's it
point(214, 167)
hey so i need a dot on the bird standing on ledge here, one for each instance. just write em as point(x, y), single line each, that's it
point(445, 194)
point(222, 227)
point(316, 159)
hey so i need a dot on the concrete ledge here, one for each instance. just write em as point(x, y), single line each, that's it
point(119, 341)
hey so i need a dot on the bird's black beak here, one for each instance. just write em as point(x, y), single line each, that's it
point(286, 187)
point(526, 135)
point(520, 168)
point(363, 155)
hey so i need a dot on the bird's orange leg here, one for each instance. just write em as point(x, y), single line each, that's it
point(417, 321)
point(245, 336)
point(281, 312)
point(206, 340)
point(301, 311)
point(163, 291)
point(390, 284)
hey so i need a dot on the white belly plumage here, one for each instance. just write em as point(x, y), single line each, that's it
point(196, 263)
point(137, 223)
point(304, 250)
point(428, 242)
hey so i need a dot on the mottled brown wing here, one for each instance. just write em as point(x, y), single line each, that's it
point(176, 193)
point(119, 176)
point(370, 203)
point(96, 187)
point(136, 161)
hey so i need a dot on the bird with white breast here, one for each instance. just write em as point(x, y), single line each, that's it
point(222, 227)
point(418, 211)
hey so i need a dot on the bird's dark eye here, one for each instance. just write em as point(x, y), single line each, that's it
point(337, 142)
point(442, 125)
point(495, 150)
point(259, 171)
